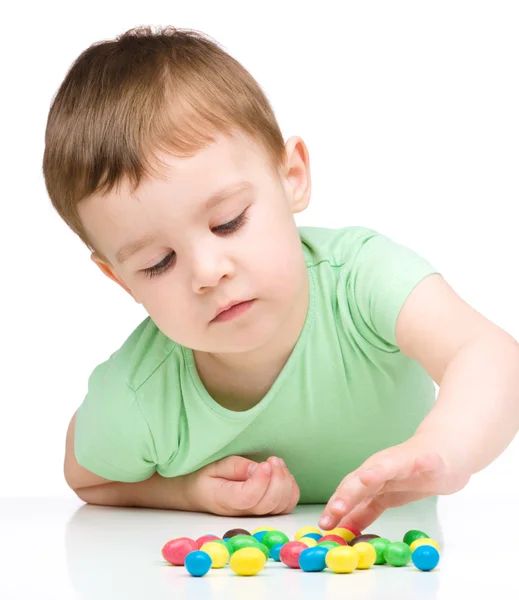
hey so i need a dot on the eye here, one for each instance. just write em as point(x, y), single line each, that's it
point(225, 229)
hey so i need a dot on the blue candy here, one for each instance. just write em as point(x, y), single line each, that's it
point(315, 536)
point(274, 552)
point(313, 559)
point(425, 558)
point(259, 535)
point(198, 563)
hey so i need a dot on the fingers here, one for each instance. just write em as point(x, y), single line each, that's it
point(279, 491)
point(232, 468)
point(244, 496)
point(366, 482)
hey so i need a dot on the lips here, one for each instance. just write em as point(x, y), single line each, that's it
point(239, 303)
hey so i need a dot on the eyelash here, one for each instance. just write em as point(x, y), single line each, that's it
point(225, 229)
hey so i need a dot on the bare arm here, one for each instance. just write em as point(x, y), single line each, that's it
point(155, 492)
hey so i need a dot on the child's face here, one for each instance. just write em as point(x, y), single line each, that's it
point(206, 266)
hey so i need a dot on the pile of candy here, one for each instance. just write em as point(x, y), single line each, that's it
point(341, 550)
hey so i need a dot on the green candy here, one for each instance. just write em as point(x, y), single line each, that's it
point(273, 538)
point(397, 554)
point(328, 544)
point(413, 535)
point(264, 549)
point(241, 541)
point(380, 545)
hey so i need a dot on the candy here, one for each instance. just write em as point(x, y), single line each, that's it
point(274, 552)
point(274, 537)
point(198, 563)
point(247, 561)
point(334, 538)
point(304, 530)
point(238, 542)
point(366, 537)
point(356, 532)
point(367, 555)
point(313, 536)
point(205, 538)
point(424, 542)
point(343, 559)
point(264, 549)
point(425, 558)
point(176, 550)
point(262, 529)
point(313, 560)
point(397, 554)
point(380, 545)
point(412, 535)
point(342, 532)
point(259, 535)
point(310, 542)
point(329, 544)
point(232, 532)
point(290, 552)
point(218, 553)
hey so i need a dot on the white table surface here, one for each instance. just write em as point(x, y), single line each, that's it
point(54, 548)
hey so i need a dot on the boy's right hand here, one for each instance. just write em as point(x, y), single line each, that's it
point(227, 487)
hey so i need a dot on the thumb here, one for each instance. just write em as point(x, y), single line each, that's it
point(233, 468)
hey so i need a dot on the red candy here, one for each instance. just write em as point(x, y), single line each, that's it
point(334, 538)
point(204, 539)
point(290, 552)
point(356, 532)
point(175, 551)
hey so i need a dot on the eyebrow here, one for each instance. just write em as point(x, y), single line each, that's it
point(128, 250)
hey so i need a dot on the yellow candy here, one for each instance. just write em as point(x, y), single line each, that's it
point(262, 529)
point(247, 561)
point(424, 542)
point(310, 542)
point(308, 529)
point(345, 534)
point(367, 555)
point(218, 552)
point(342, 559)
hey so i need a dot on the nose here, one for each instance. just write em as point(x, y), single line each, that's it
point(208, 267)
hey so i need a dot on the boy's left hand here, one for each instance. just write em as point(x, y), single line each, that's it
point(398, 475)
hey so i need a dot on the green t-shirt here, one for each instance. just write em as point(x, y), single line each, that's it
point(346, 391)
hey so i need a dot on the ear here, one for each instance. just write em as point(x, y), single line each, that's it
point(296, 173)
point(109, 272)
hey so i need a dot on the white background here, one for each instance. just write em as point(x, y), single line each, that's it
point(409, 111)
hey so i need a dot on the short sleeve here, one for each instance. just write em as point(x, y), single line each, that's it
point(112, 437)
point(382, 276)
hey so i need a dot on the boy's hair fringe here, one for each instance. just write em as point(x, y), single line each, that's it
point(145, 91)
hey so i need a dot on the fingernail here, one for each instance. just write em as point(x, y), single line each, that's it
point(338, 505)
point(267, 468)
point(252, 468)
point(325, 522)
point(279, 462)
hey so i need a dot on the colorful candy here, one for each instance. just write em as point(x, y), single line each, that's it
point(366, 537)
point(205, 538)
point(424, 542)
point(397, 554)
point(380, 545)
point(247, 561)
point(198, 563)
point(367, 555)
point(342, 532)
point(425, 558)
point(310, 542)
point(334, 538)
point(274, 552)
point(232, 532)
point(313, 560)
point(176, 550)
point(289, 553)
point(218, 553)
point(274, 537)
point(305, 530)
point(412, 535)
point(343, 559)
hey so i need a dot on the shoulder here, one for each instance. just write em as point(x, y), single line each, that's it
point(337, 246)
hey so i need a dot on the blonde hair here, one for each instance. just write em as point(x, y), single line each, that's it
point(123, 99)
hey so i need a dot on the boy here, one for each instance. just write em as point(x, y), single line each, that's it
point(277, 365)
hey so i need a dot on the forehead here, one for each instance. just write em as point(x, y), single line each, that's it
point(185, 185)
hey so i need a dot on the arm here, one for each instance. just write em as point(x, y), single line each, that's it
point(476, 415)
point(155, 492)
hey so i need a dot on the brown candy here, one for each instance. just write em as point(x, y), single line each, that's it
point(232, 532)
point(363, 538)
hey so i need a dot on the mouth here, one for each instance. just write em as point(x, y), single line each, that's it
point(233, 310)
